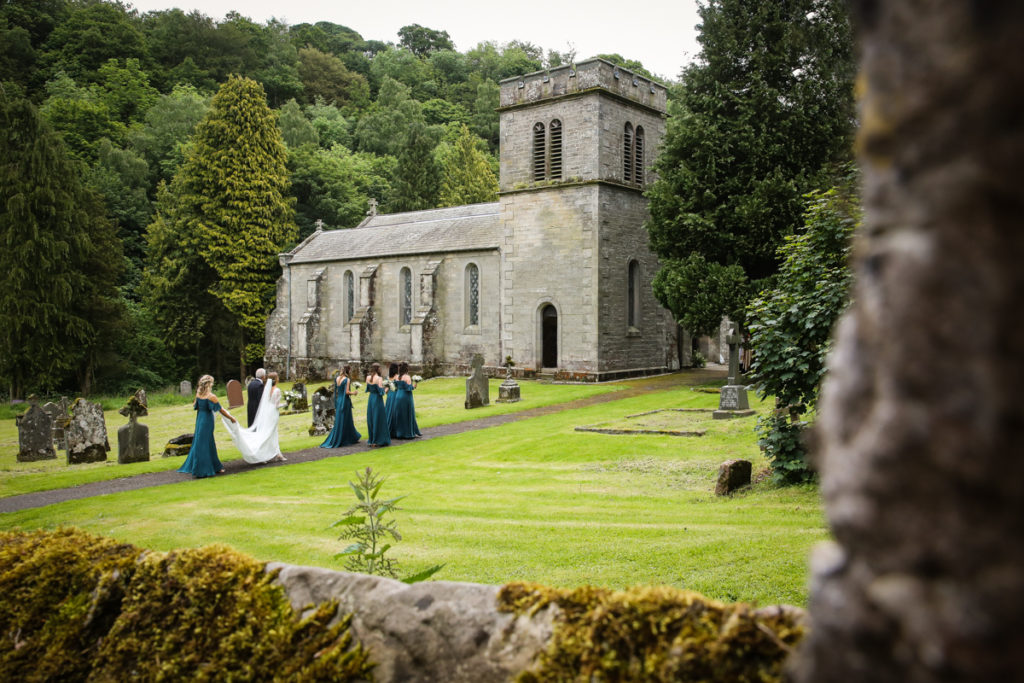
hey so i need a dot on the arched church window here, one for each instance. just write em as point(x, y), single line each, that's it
point(472, 295)
point(627, 153)
point(405, 297)
point(633, 295)
point(539, 155)
point(555, 166)
point(350, 295)
point(638, 156)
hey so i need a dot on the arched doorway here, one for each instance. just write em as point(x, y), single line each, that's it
point(549, 336)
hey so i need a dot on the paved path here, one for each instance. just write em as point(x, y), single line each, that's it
point(239, 466)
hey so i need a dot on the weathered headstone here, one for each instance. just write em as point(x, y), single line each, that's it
point(323, 411)
point(179, 445)
point(508, 391)
point(185, 388)
point(87, 433)
point(35, 434)
point(733, 401)
point(58, 412)
point(133, 438)
point(476, 385)
point(302, 402)
point(235, 394)
point(732, 475)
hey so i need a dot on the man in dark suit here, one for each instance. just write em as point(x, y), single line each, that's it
point(255, 391)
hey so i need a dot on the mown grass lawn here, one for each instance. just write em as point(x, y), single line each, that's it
point(532, 500)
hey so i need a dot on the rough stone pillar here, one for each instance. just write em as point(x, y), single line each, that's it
point(921, 424)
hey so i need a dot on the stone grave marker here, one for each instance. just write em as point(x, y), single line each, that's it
point(133, 438)
point(87, 433)
point(185, 388)
point(179, 445)
point(508, 392)
point(733, 401)
point(476, 385)
point(235, 394)
point(58, 412)
point(732, 475)
point(302, 402)
point(323, 411)
point(35, 434)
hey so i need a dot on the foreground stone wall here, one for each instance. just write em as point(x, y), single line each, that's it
point(921, 421)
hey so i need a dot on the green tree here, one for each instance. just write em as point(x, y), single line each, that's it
point(231, 195)
point(126, 90)
point(760, 119)
point(168, 125)
point(423, 41)
point(93, 33)
point(466, 176)
point(296, 130)
point(791, 324)
point(331, 126)
point(326, 77)
point(59, 256)
point(81, 117)
point(382, 128)
point(415, 185)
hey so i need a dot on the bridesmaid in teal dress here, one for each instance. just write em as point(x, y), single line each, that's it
point(405, 408)
point(202, 460)
point(344, 432)
point(389, 399)
point(376, 419)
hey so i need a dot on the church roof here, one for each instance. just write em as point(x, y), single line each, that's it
point(472, 227)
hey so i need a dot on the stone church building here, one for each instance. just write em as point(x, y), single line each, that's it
point(556, 274)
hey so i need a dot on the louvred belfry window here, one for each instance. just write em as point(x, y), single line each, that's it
point(638, 156)
point(627, 154)
point(539, 156)
point(556, 150)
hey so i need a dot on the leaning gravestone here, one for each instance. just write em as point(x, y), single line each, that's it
point(733, 401)
point(235, 399)
point(185, 388)
point(476, 385)
point(35, 434)
point(87, 433)
point(179, 445)
point(323, 412)
point(133, 438)
point(732, 475)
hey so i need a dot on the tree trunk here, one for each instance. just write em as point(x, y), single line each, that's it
point(921, 423)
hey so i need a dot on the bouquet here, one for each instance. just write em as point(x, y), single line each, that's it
point(417, 379)
point(390, 385)
point(355, 387)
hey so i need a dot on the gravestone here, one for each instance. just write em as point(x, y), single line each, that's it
point(235, 397)
point(476, 385)
point(185, 388)
point(87, 433)
point(179, 445)
point(508, 391)
point(302, 402)
point(323, 411)
point(58, 412)
point(733, 401)
point(732, 475)
point(35, 434)
point(133, 438)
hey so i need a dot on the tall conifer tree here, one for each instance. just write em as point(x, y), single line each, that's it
point(415, 186)
point(230, 208)
point(758, 121)
point(59, 256)
point(466, 176)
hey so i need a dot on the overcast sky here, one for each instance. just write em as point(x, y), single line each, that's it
point(659, 34)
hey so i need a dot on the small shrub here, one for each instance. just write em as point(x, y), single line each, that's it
point(783, 443)
point(697, 360)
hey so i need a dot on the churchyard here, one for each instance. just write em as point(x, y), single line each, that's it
point(531, 500)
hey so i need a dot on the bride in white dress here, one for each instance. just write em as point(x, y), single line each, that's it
point(259, 443)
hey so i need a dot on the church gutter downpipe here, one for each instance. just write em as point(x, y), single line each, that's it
point(288, 364)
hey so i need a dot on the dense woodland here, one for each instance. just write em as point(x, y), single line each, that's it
point(153, 165)
point(100, 107)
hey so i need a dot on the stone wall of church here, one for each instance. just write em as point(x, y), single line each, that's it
point(439, 308)
point(650, 345)
point(551, 258)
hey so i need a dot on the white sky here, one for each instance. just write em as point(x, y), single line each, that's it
point(661, 34)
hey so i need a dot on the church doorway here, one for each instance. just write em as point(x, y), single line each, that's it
point(549, 337)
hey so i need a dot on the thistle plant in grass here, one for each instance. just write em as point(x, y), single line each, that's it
point(364, 524)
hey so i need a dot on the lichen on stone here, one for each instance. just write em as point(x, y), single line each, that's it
point(81, 607)
point(653, 634)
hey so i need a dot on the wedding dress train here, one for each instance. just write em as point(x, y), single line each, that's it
point(259, 443)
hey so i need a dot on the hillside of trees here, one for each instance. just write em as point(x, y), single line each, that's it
point(125, 132)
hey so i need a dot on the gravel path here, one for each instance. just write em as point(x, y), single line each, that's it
point(141, 481)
